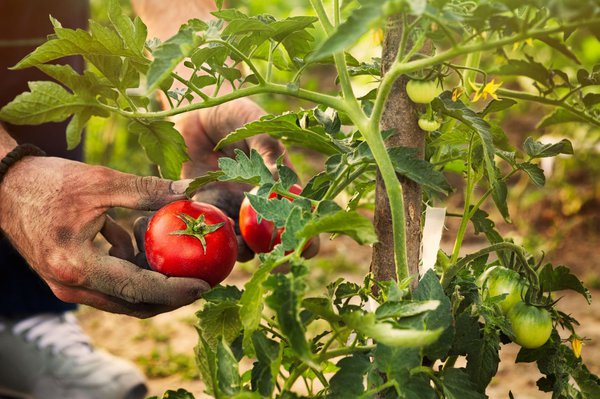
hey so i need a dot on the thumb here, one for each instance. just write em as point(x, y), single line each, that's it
point(145, 192)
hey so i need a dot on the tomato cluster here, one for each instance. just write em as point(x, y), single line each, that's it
point(531, 325)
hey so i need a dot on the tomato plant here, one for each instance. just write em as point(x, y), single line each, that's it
point(473, 63)
point(261, 236)
point(531, 325)
point(191, 239)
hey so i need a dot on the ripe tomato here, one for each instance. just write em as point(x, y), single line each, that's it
point(422, 91)
point(531, 325)
point(191, 239)
point(261, 237)
point(500, 280)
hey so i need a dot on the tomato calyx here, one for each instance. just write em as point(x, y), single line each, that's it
point(197, 228)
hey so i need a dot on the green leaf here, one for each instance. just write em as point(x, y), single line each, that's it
point(407, 163)
point(75, 128)
point(457, 385)
point(348, 381)
point(561, 278)
point(559, 116)
point(497, 106)
point(591, 99)
point(228, 374)
point(405, 309)
point(252, 300)
point(536, 149)
point(46, 102)
point(276, 210)
point(535, 173)
point(560, 47)
point(285, 301)
point(133, 33)
point(387, 334)
point(294, 223)
point(179, 394)
point(352, 224)
point(169, 54)
point(245, 169)
point(218, 321)
point(483, 359)
point(531, 69)
point(287, 129)
point(429, 288)
point(348, 32)
point(163, 145)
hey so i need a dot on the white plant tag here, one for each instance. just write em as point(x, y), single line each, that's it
point(432, 237)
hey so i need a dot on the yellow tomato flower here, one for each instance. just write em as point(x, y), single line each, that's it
point(576, 344)
point(483, 91)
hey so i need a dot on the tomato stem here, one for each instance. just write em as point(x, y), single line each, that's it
point(197, 228)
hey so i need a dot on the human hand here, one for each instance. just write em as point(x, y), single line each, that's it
point(51, 209)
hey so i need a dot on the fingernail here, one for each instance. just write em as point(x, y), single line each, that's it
point(178, 187)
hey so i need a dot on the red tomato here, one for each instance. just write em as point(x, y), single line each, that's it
point(261, 237)
point(191, 239)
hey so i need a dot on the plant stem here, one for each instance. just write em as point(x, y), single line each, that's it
point(242, 56)
point(466, 213)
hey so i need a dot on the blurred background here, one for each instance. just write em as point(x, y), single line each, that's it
point(562, 219)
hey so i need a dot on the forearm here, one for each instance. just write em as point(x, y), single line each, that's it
point(163, 18)
point(7, 143)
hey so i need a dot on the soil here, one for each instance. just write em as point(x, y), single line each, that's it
point(168, 338)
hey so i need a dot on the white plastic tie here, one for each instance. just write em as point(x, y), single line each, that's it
point(432, 237)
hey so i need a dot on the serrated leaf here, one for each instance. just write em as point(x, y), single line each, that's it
point(560, 47)
point(457, 385)
point(535, 173)
point(348, 32)
point(537, 149)
point(169, 54)
point(407, 163)
point(228, 374)
point(296, 220)
point(133, 33)
point(218, 321)
point(561, 278)
point(348, 380)
point(46, 102)
point(252, 301)
point(245, 169)
point(497, 106)
point(559, 116)
point(483, 359)
point(352, 224)
point(163, 145)
point(285, 301)
point(75, 128)
point(405, 309)
point(429, 288)
point(387, 334)
point(531, 69)
point(285, 128)
point(275, 210)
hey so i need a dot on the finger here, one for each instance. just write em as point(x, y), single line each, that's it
point(108, 303)
point(118, 238)
point(139, 231)
point(142, 192)
point(313, 248)
point(244, 252)
point(124, 280)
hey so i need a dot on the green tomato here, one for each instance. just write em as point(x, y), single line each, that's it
point(429, 125)
point(531, 325)
point(500, 280)
point(422, 91)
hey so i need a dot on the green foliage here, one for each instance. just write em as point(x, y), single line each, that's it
point(378, 337)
